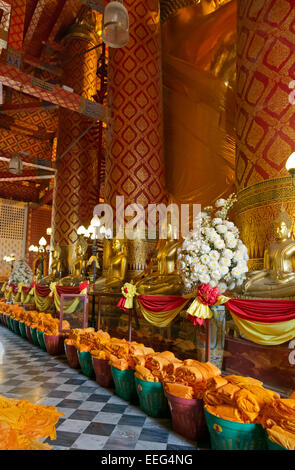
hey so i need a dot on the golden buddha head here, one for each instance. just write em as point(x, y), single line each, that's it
point(117, 245)
point(81, 247)
point(282, 225)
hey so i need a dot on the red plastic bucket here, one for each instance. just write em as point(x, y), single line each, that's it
point(54, 344)
point(188, 418)
point(72, 356)
point(29, 334)
point(103, 372)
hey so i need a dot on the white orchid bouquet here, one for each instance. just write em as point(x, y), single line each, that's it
point(213, 253)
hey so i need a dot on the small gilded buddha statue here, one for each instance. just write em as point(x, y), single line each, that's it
point(277, 279)
point(56, 269)
point(78, 268)
point(161, 276)
point(116, 269)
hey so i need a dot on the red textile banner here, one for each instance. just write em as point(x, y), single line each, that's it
point(262, 310)
point(42, 291)
point(156, 303)
point(160, 303)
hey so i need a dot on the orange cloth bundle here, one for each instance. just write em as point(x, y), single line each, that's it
point(121, 364)
point(22, 422)
point(145, 374)
point(282, 437)
point(188, 374)
point(99, 354)
point(157, 365)
point(246, 395)
point(228, 412)
point(179, 390)
point(280, 412)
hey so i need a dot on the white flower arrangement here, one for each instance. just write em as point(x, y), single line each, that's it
point(213, 254)
point(22, 273)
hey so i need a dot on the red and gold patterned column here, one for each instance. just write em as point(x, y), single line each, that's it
point(134, 165)
point(76, 185)
point(265, 118)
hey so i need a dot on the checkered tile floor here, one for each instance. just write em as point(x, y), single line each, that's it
point(94, 417)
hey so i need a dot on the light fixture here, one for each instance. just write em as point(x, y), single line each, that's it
point(115, 31)
point(15, 165)
point(32, 248)
point(81, 230)
point(95, 222)
point(290, 167)
point(42, 242)
point(87, 234)
point(91, 229)
point(36, 249)
point(49, 231)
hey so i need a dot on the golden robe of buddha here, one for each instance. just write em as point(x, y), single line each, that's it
point(56, 269)
point(116, 270)
point(277, 279)
point(161, 277)
point(78, 268)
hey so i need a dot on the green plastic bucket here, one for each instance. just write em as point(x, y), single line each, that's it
point(22, 329)
point(40, 336)
point(229, 435)
point(9, 322)
point(85, 360)
point(16, 327)
point(125, 384)
point(34, 336)
point(152, 399)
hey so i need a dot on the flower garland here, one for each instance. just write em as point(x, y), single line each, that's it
point(213, 253)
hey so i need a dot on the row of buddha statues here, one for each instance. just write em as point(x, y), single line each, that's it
point(161, 276)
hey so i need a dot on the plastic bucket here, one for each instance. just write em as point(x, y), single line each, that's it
point(34, 336)
point(85, 360)
point(29, 334)
point(54, 344)
point(125, 384)
point(40, 336)
point(188, 418)
point(15, 326)
point(22, 329)
point(72, 356)
point(103, 372)
point(152, 398)
point(229, 435)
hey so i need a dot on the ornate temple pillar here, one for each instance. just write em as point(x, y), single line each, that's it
point(76, 185)
point(134, 164)
point(265, 119)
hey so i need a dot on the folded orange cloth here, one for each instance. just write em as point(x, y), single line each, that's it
point(144, 374)
point(248, 405)
point(179, 390)
point(121, 364)
point(282, 437)
point(226, 412)
point(189, 374)
point(216, 382)
point(242, 381)
point(157, 364)
point(292, 396)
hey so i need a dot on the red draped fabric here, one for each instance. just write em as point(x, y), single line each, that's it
point(42, 291)
point(160, 303)
point(156, 303)
point(14, 288)
point(262, 310)
point(26, 290)
point(68, 290)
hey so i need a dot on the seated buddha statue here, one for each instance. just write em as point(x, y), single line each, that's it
point(116, 269)
point(277, 279)
point(161, 276)
point(78, 268)
point(56, 269)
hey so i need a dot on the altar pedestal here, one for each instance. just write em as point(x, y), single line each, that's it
point(270, 364)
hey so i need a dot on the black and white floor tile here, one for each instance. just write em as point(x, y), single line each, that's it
point(94, 417)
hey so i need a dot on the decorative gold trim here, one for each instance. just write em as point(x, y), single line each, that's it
point(264, 193)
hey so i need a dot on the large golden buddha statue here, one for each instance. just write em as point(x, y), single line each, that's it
point(56, 268)
point(116, 269)
point(78, 268)
point(277, 279)
point(161, 276)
